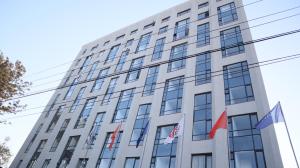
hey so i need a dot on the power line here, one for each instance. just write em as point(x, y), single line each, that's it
point(255, 65)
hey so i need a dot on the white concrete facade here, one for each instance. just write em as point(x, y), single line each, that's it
point(217, 147)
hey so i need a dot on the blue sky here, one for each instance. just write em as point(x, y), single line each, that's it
point(46, 33)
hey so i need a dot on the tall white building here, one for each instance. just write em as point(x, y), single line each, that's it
point(188, 61)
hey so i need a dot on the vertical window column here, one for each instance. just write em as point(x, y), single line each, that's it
point(122, 61)
point(100, 79)
point(158, 49)
point(82, 119)
point(132, 162)
point(123, 106)
point(85, 64)
point(95, 130)
point(203, 68)
point(134, 70)
point(92, 71)
point(231, 42)
point(112, 53)
point(143, 42)
point(37, 154)
point(55, 118)
point(68, 152)
point(59, 135)
point(227, 14)
point(202, 161)
point(77, 100)
point(72, 88)
point(177, 57)
point(181, 29)
point(110, 90)
point(150, 82)
point(203, 35)
point(33, 138)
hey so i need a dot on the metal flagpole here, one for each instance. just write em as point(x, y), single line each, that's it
point(182, 138)
point(142, 157)
point(287, 130)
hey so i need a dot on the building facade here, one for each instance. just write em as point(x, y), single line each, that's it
point(188, 61)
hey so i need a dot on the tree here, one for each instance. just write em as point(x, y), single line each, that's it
point(11, 84)
point(5, 153)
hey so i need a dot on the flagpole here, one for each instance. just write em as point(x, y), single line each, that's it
point(287, 130)
point(142, 157)
point(182, 140)
point(228, 145)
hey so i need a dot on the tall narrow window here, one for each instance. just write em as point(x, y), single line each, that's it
point(92, 71)
point(203, 36)
point(237, 83)
point(37, 154)
point(52, 105)
point(181, 29)
point(110, 90)
point(135, 70)
point(143, 42)
point(158, 49)
point(232, 42)
point(122, 61)
point(203, 68)
point(95, 130)
point(85, 64)
point(202, 116)
point(123, 106)
point(172, 98)
point(72, 88)
point(227, 13)
point(112, 53)
point(202, 161)
point(33, 138)
point(141, 120)
point(46, 163)
point(164, 155)
point(246, 149)
point(82, 119)
point(100, 79)
point(132, 162)
point(151, 79)
point(82, 162)
point(59, 135)
point(177, 57)
point(107, 156)
point(55, 118)
point(68, 152)
point(69, 76)
point(77, 100)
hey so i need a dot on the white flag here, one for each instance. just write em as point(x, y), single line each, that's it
point(177, 131)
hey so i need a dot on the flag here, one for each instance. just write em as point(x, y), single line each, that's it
point(274, 116)
point(113, 136)
point(143, 132)
point(221, 123)
point(177, 131)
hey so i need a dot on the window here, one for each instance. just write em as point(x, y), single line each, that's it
point(231, 42)
point(100, 79)
point(33, 138)
point(55, 118)
point(140, 123)
point(68, 152)
point(203, 36)
point(149, 25)
point(203, 69)
point(203, 15)
point(237, 83)
point(164, 155)
point(172, 98)
point(106, 43)
point(72, 88)
point(52, 105)
point(134, 70)
point(59, 135)
point(133, 31)
point(36, 154)
point(227, 13)
point(82, 162)
point(123, 106)
point(129, 43)
point(107, 157)
point(150, 82)
point(163, 30)
point(122, 61)
point(77, 100)
point(246, 149)
point(165, 19)
point(92, 71)
point(82, 119)
point(202, 5)
point(202, 161)
point(112, 53)
point(101, 53)
point(132, 162)
point(177, 57)
point(183, 12)
point(69, 76)
point(143, 42)
point(181, 29)
point(94, 47)
point(120, 37)
point(202, 116)
point(95, 130)
point(46, 163)
point(158, 49)
point(110, 90)
point(85, 64)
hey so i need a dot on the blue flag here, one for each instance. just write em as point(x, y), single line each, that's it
point(274, 116)
point(143, 132)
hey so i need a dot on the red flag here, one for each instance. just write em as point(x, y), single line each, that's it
point(221, 123)
point(113, 137)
